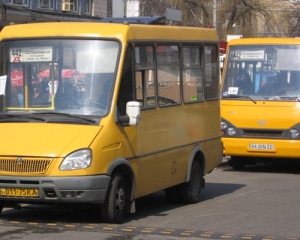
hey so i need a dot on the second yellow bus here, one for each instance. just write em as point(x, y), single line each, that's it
point(260, 102)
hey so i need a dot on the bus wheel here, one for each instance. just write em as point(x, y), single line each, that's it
point(237, 163)
point(172, 194)
point(113, 209)
point(190, 191)
point(1, 206)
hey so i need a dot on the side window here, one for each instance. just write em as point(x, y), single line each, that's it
point(144, 76)
point(211, 72)
point(19, 2)
point(126, 87)
point(88, 6)
point(15, 88)
point(46, 4)
point(168, 74)
point(36, 94)
point(192, 74)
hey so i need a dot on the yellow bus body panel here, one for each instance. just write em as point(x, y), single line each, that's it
point(265, 115)
point(108, 30)
point(263, 41)
point(157, 148)
point(244, 114)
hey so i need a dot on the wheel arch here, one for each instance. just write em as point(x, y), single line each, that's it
point(123, 167)
point(197, 154)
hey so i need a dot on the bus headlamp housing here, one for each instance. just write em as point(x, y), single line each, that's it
point(231, 131)
point(294, 132)
point(228, 129)
point(223, 125)
point(77, 160)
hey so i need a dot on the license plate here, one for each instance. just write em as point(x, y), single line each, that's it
point(19, 192)
point(263, 147)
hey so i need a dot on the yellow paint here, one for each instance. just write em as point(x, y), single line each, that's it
point(273, 115)
point(158, 149)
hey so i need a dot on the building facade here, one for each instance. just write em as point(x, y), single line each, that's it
point(27, 11)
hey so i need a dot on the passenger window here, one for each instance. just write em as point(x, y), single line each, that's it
point(192, 74)
point(168, 74)
point(15, 88)
point(144, 76)
point(211, 62)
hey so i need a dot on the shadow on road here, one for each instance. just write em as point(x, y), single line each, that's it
point(284, 166)
point(155, 204)
point(213, 190)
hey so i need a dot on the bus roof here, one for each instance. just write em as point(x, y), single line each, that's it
point(136, 20)
point(121, 31)
point(263, 41)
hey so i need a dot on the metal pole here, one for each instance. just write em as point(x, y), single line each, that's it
point(215, 14)
point(125, 7)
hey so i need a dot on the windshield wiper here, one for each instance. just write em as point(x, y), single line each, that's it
point(239, 96)
point(67, 115)
point(290, 98)
point(283, 98)
point(2, 116)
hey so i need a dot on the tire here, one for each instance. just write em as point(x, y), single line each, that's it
point(1, 206)
point(237, 163)
point(172, 195)
point(113, 209)
point(190, 191)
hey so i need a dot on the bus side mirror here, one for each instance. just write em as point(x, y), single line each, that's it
point(133, 114)
point(133, 110)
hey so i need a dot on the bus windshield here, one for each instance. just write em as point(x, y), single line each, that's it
point(70, 76)
point(262, 72)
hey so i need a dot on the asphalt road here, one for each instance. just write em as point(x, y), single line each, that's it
point(259, 202)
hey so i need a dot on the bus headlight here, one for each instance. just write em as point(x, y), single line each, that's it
point(228, 129)
point(294, 132)
point(77, 160)
point(231, 131)
point(223, 125)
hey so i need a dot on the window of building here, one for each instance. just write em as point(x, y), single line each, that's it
point(46, 4)
point(192, 74)
point(88, 6)
point(20, 2)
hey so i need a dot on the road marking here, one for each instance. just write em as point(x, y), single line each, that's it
point(33, 223)
point(51, 224)
point(141, 229)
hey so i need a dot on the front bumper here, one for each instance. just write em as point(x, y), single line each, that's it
point(282, 148)
point(80, 189)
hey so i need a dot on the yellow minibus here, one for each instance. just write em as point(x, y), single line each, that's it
point(104, 113)
point(260, 101)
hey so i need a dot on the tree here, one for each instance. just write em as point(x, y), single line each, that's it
point(292, 16)
point(195, 13)
point(250, 18)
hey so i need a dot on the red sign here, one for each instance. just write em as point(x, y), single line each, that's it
point(223, 47)
point(66, 73)
point(16, 78)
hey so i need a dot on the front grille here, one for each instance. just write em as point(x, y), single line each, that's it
point(262, 133)
point(26, 166)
